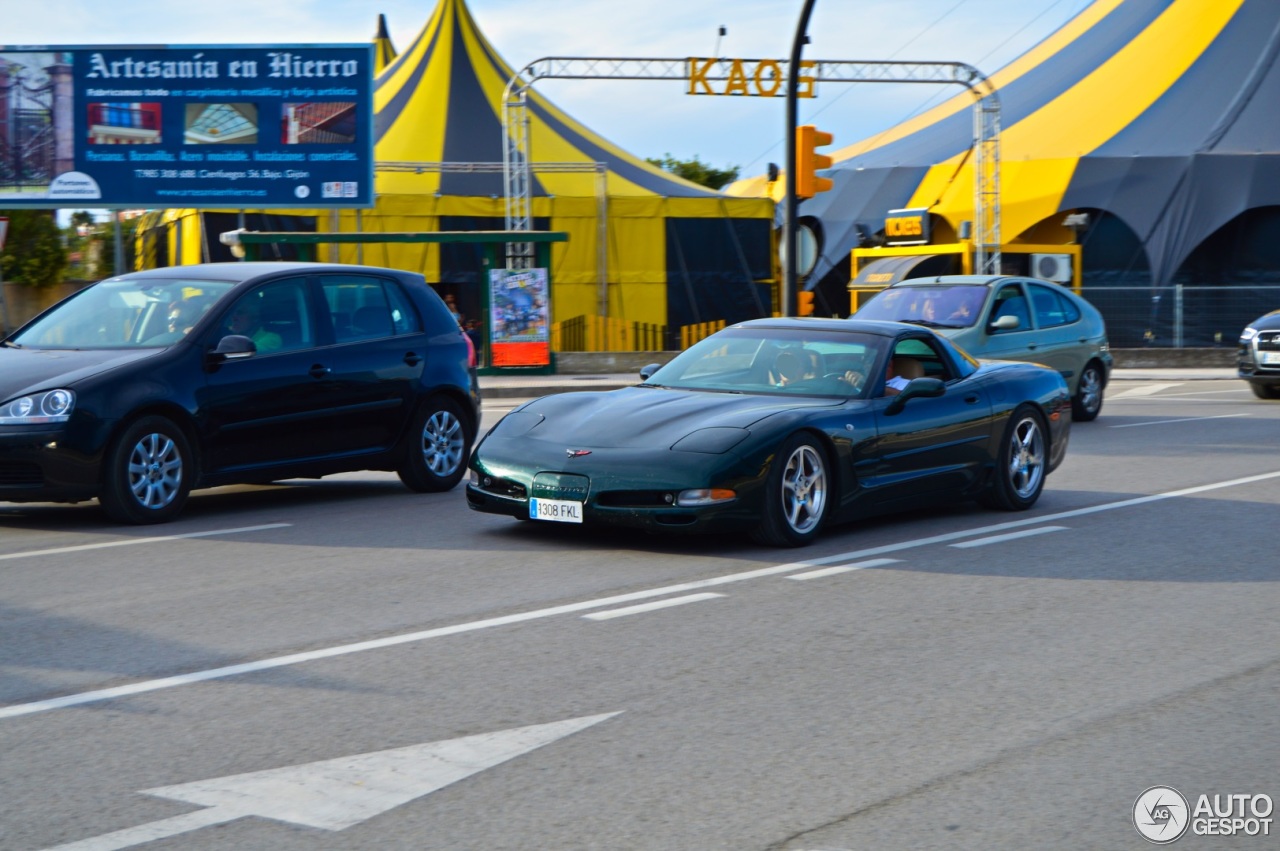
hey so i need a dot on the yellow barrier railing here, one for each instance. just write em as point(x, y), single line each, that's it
point(606, 334)
point(690, 334)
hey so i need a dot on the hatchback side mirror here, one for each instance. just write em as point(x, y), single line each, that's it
point(646, 371)
point(232, 347)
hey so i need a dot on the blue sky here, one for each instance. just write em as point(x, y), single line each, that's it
point(650, 118)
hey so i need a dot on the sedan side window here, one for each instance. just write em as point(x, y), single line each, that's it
point(1051, 308)
point(1010, 301)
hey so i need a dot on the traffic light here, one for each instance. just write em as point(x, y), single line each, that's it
point(808, 161)
point(804, 303)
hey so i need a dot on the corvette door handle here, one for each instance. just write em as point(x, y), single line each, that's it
point(320, 371)
point(413, 358)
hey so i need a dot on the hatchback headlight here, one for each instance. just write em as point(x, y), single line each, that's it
point(1248, 334)
point(51, 406)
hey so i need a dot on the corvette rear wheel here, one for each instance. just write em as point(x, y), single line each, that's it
point(148, 473)
point(438, 448)
point(1020, 466)
point(797, 494)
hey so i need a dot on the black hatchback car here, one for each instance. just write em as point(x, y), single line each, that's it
point(144, 386)
point(1258, 358)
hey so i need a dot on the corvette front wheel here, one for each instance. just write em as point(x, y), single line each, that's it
point(797, 494)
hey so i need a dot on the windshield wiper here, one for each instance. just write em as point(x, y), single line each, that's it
point(929, 323)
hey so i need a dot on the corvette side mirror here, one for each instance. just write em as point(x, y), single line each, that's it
point(919, 387)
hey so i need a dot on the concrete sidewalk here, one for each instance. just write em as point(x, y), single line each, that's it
point(517, 386)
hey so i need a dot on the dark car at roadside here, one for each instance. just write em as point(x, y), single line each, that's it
point(1258, 358)
point(145, 386)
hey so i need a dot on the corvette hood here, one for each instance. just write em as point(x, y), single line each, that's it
point(643, 416)
point(27, 370)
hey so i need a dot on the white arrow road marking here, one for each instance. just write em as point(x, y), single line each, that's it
point(337, 793)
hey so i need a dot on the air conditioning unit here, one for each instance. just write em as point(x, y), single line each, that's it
point(1051, 267)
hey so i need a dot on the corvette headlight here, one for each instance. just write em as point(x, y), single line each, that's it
point(705, 496)
point(1248, 334)
point(51, 406)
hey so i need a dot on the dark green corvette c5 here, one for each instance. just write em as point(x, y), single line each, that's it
point(779, 427)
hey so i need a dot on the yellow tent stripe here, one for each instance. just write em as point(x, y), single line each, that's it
point(1006, 75)
point(1054, 137)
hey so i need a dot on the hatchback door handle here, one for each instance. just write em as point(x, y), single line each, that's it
point(320, 371)
point(413, 359)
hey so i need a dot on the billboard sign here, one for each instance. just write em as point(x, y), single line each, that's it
point(187, 126)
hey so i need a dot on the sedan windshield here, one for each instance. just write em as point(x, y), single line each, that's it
point(775, 361)
point(952, 306)
point(125, 313)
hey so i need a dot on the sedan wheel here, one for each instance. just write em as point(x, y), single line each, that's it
point(438, 448)
point(148, 473)
point(1087, 403)
point(1020, 467)
point(796, 495)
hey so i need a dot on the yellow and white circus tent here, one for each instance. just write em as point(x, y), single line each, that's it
point(673, 253)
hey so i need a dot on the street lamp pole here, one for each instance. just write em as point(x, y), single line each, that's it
point(789, 232)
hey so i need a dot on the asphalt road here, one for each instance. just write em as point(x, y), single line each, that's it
point(951, 678)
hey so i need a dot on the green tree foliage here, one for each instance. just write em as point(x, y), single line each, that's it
point(33, 252)
point(697, 171)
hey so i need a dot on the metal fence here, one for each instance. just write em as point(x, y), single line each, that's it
point(1180, 316)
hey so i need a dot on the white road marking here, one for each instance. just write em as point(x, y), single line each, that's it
point(129, 542)
point(335, 794)
point(649, 607)
point(1180, 420)
point(1011, 536)
point(20, 709)
point(1144, 390)
point(842, 568)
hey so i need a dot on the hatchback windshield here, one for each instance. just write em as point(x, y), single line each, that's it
point(772, 360)
point(956, 306)
point(125, 313)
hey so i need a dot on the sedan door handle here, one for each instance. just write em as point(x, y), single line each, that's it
point(1032, 346)
point(971, 398)
point(413, 358)
point(320, 371)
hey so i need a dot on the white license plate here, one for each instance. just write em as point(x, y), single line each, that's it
point(1269, 357)
point(557, 510)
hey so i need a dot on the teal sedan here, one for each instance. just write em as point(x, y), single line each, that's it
point(1009, 318)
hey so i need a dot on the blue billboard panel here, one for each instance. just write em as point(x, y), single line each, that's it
point(187, 126)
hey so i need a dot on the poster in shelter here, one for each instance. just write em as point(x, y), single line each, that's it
point(519, 320)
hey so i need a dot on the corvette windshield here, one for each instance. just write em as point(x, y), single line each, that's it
point(955, 306)
point(124, 313)
point(775, 361)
